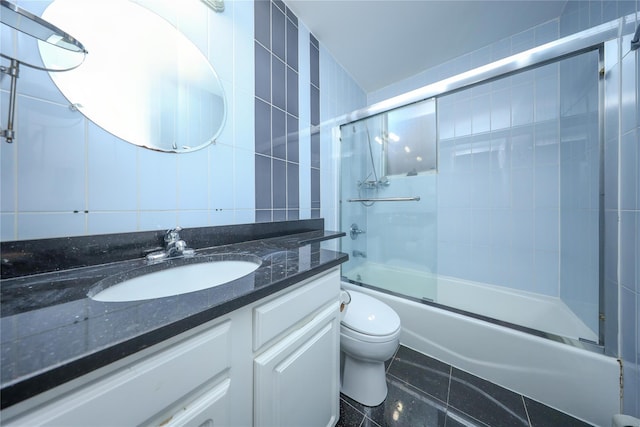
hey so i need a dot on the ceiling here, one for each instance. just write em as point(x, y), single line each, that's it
point(380, 42)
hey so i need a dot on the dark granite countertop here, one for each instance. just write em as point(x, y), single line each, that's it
point(51, 332)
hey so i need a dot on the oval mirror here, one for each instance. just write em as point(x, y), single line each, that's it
point(142, 80)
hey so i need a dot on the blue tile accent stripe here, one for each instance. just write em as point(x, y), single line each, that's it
point(314, 107)
point(277, 121)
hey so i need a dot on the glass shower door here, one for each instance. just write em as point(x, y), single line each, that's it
point(509, 224)
point(388, 200)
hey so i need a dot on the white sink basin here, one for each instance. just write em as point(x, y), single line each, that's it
point(176, 281)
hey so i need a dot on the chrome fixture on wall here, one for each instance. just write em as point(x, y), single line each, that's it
point(354, 231)
point(36, 27)
point(376, 182)
point(382, 182)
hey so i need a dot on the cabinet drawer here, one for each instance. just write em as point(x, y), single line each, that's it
point(209, 409)
point(129, 395)
point(278, 315)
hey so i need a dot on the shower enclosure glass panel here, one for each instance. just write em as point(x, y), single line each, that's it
point(509, 225)
point(388, 198)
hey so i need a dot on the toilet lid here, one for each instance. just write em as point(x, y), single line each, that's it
point(370, 316)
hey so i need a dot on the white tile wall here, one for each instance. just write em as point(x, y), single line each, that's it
point(65, 176)
point(500, 173)
point(50, 224)
point(51, 167)
point(112, 173)
point(339, 94)
point(96, 183)
point(533, 156)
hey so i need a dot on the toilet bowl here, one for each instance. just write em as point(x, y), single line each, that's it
point(369, 336)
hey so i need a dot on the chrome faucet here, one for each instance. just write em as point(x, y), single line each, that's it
point(174, 247)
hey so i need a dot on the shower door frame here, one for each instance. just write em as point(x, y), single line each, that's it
point(600, 38)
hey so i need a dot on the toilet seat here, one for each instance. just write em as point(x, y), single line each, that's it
point(348, 332)
point(369, 318)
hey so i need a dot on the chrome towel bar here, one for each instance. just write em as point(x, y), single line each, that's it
point(388, 199)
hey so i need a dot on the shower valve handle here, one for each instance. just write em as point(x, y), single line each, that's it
point(354, 231)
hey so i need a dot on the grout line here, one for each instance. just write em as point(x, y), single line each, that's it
point(489, 397)
point(344, 402)
point(449, 385)
point(526, 410)
point(353, 407)
point(393, 358)
point(416, 389)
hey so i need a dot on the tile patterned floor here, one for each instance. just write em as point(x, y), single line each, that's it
point(426, 392)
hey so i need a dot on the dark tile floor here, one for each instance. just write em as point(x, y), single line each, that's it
point(426, 392)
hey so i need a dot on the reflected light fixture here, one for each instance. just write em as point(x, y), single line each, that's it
point(215, 5)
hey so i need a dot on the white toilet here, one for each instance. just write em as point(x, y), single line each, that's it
point(369, 336)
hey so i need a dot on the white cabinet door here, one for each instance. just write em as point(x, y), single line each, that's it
point(296, 381)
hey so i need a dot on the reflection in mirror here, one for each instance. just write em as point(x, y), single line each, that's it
point(144, 81)
point(22, 20)
point(28, 23)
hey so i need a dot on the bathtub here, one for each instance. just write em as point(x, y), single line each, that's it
point(582, 383)
point(529, 310)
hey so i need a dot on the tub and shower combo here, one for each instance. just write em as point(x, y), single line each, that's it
point(474, 207)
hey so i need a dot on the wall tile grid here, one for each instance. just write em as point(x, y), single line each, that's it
point(622, 166)
point(622, 188)
point(488, 209)
point(340, 95)
point(277, 114)
point(314, 108)
point(622, 215)
point(499, 186)
point(65, 176)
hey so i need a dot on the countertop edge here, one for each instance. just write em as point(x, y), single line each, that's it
point(24, 389)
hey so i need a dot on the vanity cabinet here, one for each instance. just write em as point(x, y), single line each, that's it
point(190, 380)
point(274, 362)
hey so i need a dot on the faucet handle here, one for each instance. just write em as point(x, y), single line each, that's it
point(172, 235)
